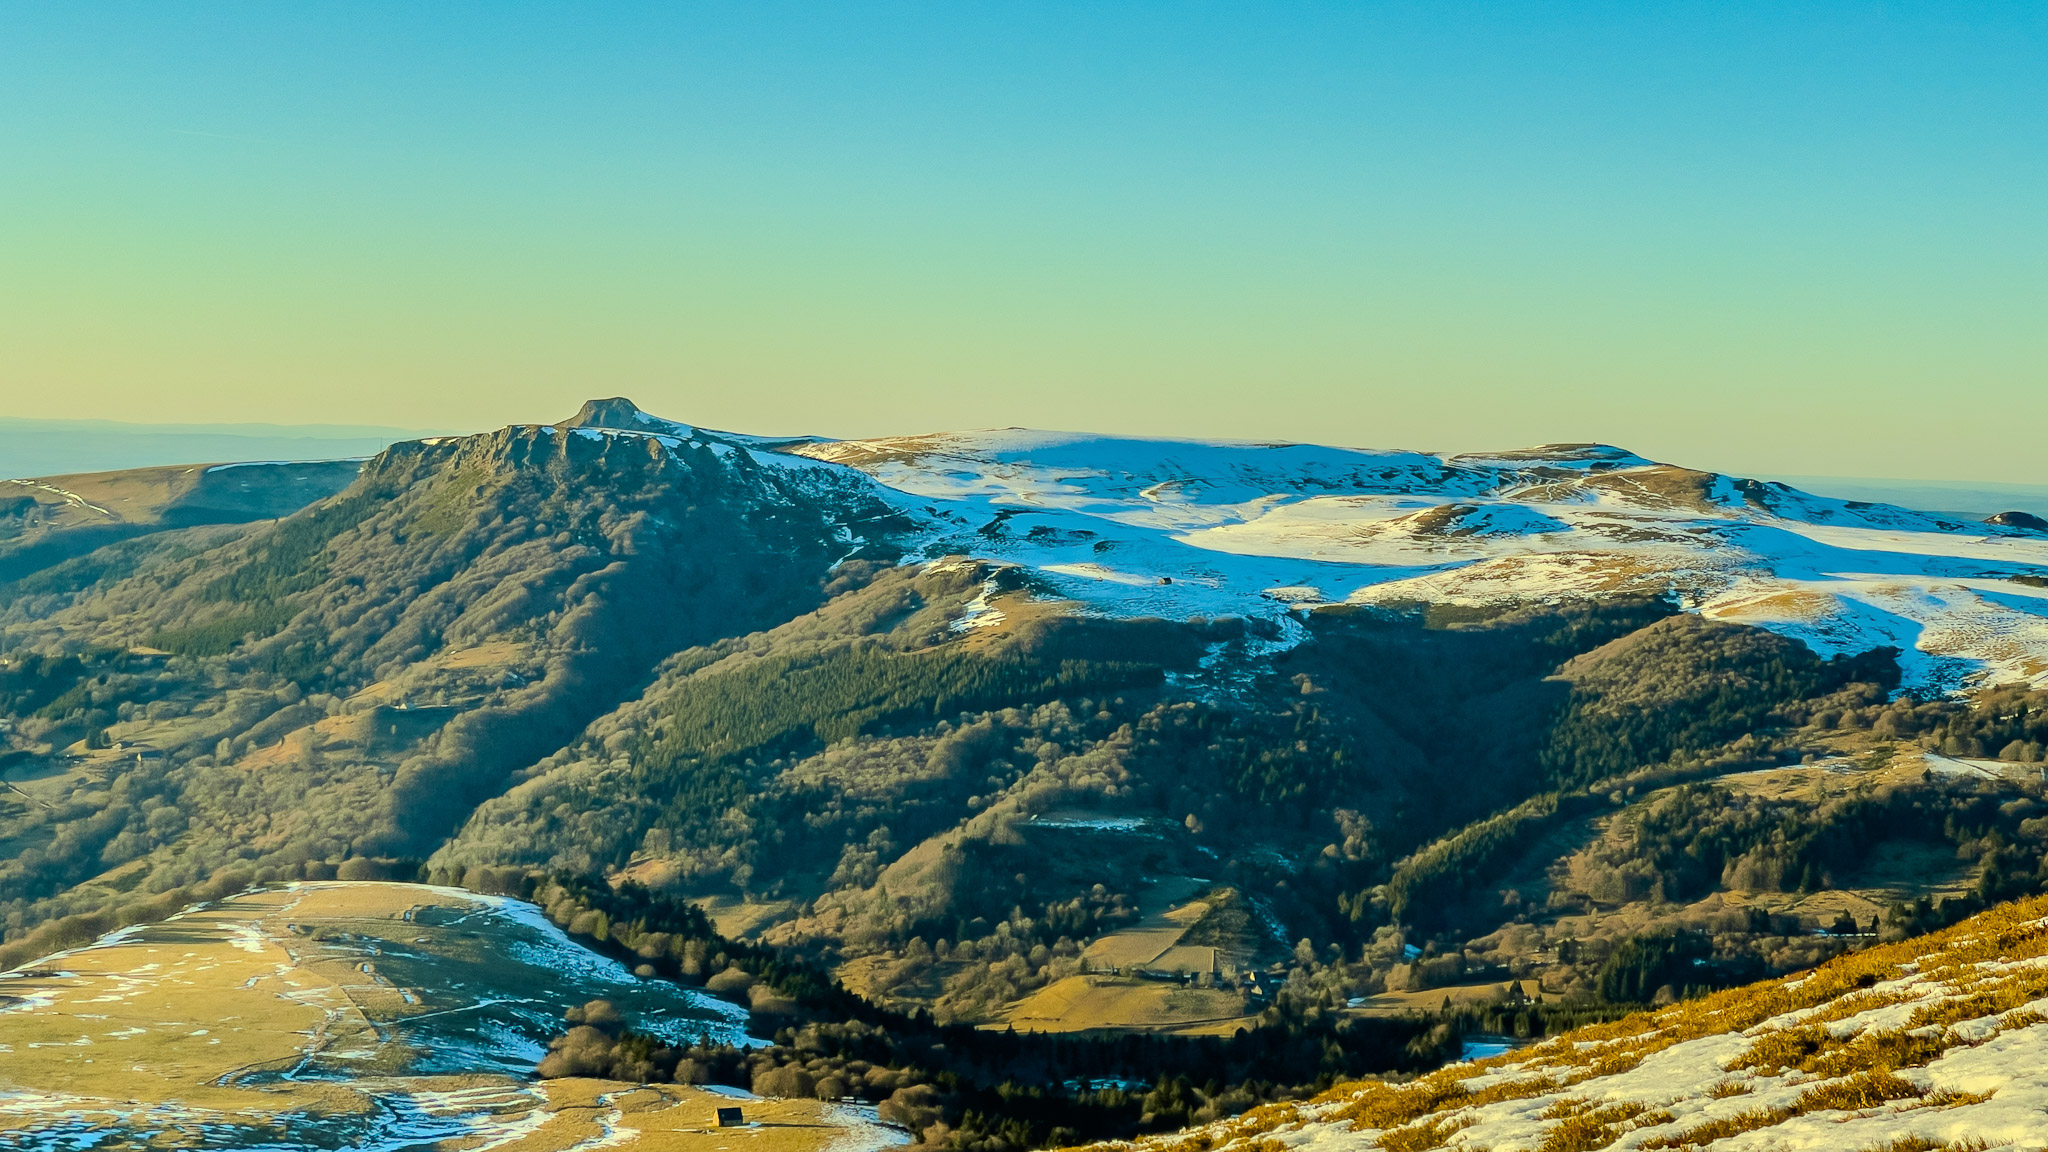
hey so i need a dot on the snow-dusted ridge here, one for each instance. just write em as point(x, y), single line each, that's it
point(1938, 1042)
point(1177, 528)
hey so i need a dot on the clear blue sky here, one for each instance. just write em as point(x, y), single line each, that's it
point(1769, 238)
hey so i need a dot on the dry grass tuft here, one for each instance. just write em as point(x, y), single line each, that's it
point(1424, 1136)
point(1950, 1098)
point(1521, 1089)
point(1879, 1052)
point(1726, 1126)
point(2003, 994)
point(1781, 1048)
point(1929, 1144)
point(1387, 1106)
point(1855, 1093)
point(1584, 1129)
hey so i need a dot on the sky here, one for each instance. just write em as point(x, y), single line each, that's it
point(1772, 238)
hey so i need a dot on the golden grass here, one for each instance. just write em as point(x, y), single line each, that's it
point(495, 654)
point(1712, 1130)
point(156, 1022)
point(1423, 1136)
point(177, 1016)
point(1879, 1051)
point(1951, 1098)
point(1863, 1091)
point(1811, 1048)
point(2004, 993)
point(1583, 1128)
point(1929, 1144)
point(1160, 929)
point(1854, 1093)
point(1079, 1003)
point(1388, 1106)
point(1957, 958)
point(670, 1118)
point(1511, 1090)
point(1857, 1003)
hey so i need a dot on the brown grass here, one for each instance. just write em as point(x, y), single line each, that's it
point(1726, 1126)
point(1079, 1003)
point(1587, 1129)
point(1857, 1003)
point(1991, 996)
point(1929, 1144)
point(1950, 959)
point(1951, 1098)
point(1387, 1106)
point(1423, 1136)
point(1855, 1093)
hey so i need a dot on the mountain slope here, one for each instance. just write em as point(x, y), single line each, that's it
point(350, 681)
point(1934, 1043)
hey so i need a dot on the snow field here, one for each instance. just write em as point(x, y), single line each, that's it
point(1130, 527)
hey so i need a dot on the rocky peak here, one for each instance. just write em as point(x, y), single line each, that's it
point(620, 413)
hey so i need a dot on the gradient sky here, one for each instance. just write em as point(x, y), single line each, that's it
point(1773, 238)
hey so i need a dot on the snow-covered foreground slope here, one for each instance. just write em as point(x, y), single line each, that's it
point(1937, 1042)
point(1181, 528)
point(1176, 528)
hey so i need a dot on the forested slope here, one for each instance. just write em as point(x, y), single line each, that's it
point(348, 682)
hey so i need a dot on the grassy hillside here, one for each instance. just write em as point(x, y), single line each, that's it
point(48, 521)
point(1933, 1043)
point(319, 1016)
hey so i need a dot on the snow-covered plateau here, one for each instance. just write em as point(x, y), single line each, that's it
point(1182, 529)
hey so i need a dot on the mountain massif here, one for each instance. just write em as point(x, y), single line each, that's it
point(1065, 734)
